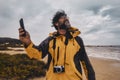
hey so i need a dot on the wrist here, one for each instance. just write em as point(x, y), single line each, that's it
point(27, 43)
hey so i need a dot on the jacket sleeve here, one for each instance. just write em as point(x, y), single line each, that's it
point(89, 71)
point(38, 52)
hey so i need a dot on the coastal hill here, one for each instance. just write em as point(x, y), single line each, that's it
point(10, 42)
point(15, 64)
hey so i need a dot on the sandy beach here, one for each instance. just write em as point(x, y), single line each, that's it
point(105, 69)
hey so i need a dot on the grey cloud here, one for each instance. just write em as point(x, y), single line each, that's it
point(38, 14)
point(94, 5)
point(113, 12)
point(95, 9)
point(12, 10)
point(93, 30)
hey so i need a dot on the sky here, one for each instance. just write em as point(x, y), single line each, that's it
point(98, 20)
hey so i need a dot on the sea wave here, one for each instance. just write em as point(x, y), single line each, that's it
point(104, 52)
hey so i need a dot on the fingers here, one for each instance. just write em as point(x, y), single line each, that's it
point(21, 31)
point(25, 39)
point(19, 28)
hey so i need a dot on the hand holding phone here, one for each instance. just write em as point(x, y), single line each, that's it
point(22, 26)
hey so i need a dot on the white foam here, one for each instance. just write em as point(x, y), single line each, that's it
point(104, 52)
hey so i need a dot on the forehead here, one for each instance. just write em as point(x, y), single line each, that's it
point(64, 16)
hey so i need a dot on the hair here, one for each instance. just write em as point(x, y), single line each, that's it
point(57, 16)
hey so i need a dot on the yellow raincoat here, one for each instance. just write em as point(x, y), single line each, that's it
point(67, 51)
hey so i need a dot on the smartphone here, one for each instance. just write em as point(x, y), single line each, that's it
point(22, 26)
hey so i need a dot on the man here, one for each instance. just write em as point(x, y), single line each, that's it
point(67, 58)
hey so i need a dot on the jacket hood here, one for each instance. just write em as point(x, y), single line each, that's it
point(73, 31)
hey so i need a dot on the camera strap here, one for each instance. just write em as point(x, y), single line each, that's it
point(54, 47)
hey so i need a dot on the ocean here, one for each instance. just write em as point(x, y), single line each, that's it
point(94, 51)
point(109, 52)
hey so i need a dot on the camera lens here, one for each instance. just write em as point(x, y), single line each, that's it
point(58, 69)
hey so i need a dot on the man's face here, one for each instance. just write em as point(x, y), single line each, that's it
point(61, 25)
point(62, 20)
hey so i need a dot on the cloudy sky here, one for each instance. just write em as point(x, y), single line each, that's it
point(98, 20)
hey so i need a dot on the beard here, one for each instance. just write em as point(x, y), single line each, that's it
point(65, 25)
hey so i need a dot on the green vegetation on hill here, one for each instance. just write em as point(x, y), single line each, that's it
point(10, 42)
point(20, 67)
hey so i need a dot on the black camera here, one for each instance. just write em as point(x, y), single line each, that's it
point(59, 69)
